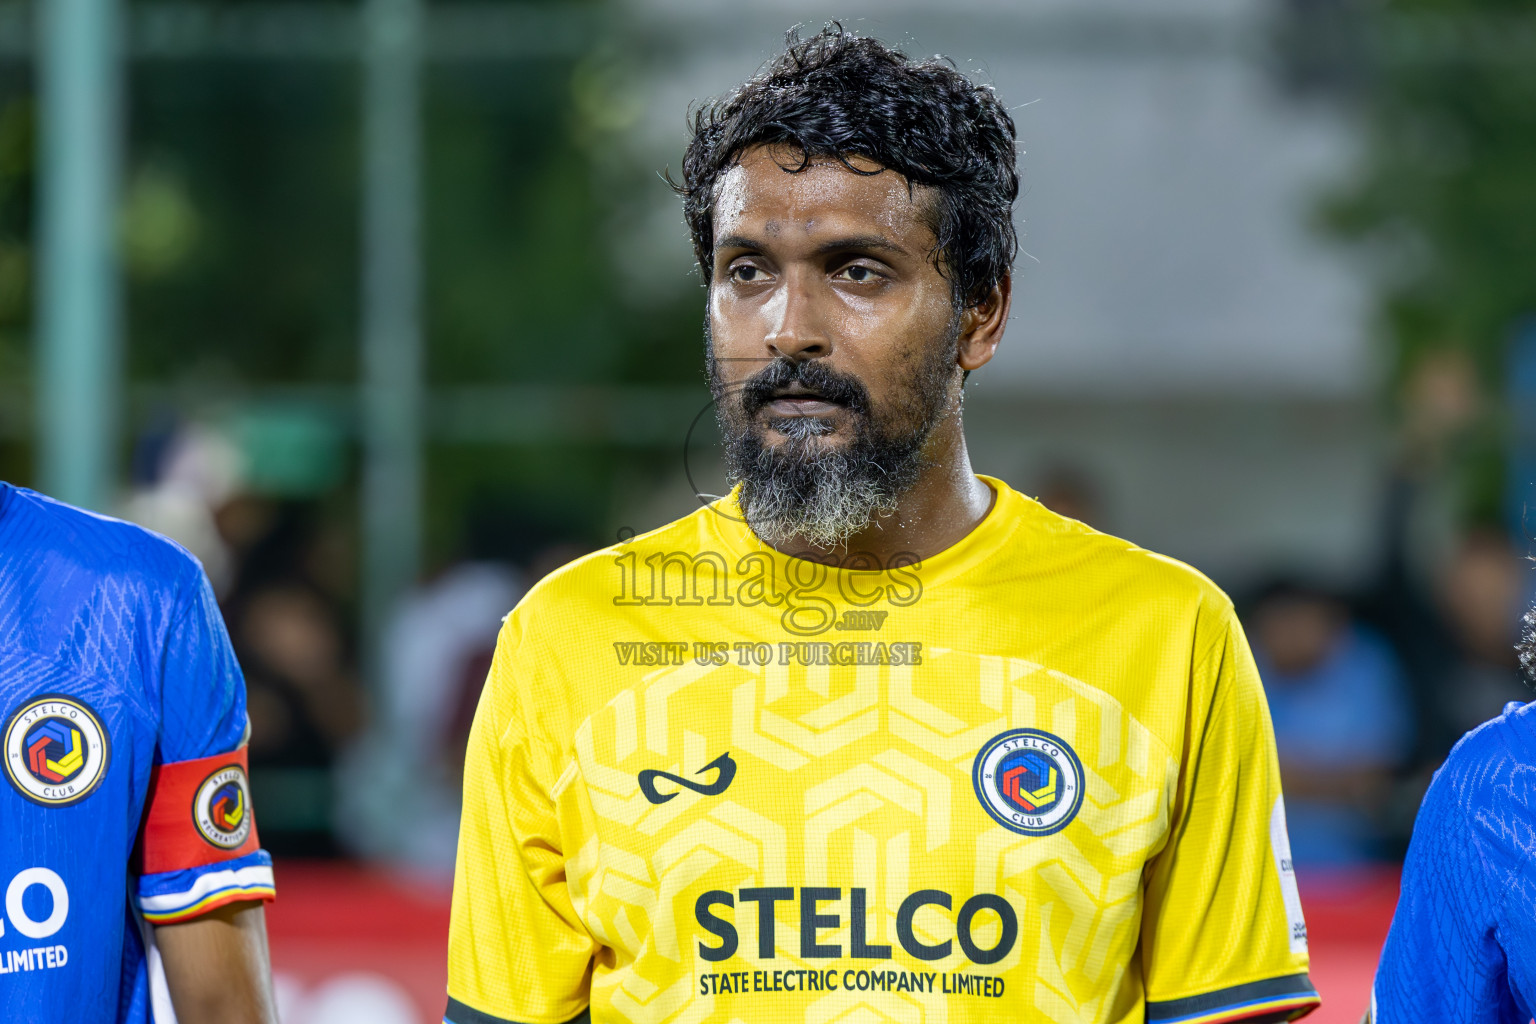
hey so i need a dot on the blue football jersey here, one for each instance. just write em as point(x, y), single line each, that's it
point(1463, 942)
point(122, 716)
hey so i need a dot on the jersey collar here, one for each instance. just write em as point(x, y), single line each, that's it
point(726, 522)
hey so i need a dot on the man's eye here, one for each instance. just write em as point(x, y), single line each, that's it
point(857, 274)
point(745, 273)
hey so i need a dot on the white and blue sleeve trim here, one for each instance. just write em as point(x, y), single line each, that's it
point(173, 896)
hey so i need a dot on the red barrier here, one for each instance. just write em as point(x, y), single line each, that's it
point(1348, 914)
point(353, 944)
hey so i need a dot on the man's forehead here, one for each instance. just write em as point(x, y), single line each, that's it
point(757, 193)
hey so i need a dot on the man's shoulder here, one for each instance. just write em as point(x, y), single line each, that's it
point(1489, 758)
point(1468, 835)
point(1099, 561)
point(38, 529)
point(608, 577)
point(1486, 789)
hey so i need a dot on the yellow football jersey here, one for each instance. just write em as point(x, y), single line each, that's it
point(1031, 777)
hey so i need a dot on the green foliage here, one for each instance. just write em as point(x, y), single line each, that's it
point(1445, 200)
point(523, 286)
point(241, 223)
point(1446, 188)
point(514, 256)
point(241, 240)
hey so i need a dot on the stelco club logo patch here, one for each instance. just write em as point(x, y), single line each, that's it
point(1029, 781)
point(222, 808)
point(56, 750)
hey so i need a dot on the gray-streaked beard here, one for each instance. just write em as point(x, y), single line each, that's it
point(802, 489)
point(819, 494)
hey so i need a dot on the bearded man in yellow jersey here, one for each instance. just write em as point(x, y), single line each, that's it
point(874, 738)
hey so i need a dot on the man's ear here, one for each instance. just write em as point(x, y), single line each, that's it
point(981, 326)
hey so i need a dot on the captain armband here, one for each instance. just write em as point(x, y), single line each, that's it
point(199, 814)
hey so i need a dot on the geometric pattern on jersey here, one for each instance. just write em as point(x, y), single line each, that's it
point(887, 807)
point(807, 839)
point(1462, 945)
point(114, 665)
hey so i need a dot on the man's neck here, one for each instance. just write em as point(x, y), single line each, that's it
point(941, 509)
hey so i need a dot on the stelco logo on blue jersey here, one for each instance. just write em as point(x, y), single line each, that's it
point(56, 750)
point(1029, 781)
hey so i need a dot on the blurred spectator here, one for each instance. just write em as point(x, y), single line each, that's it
point(1341, 715)
point(183, 472)
point(402, 782)
point(282, 583)
point(305, 703)
point(1482, 595)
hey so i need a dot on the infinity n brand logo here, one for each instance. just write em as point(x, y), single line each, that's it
point(723, 766)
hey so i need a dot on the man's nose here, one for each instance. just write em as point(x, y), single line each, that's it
point(796, 329)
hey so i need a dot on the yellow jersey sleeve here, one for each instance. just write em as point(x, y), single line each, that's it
point(517, 950)
point(1222, 934)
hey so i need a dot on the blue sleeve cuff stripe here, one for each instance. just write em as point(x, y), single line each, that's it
point(171, 883)
point(1292, 991)
point(207, 887)
point(458, 1013)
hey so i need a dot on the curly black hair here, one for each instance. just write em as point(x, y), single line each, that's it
point(840, 95)
point(1526, 648)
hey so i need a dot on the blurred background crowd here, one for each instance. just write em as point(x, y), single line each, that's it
point(384, 309)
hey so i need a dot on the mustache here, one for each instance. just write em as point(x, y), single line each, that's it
point(813, 375)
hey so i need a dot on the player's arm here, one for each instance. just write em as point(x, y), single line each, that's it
point(216, 966)
point(1222, 934)
point(203, 880)
point(202, 874)
point(517, 949)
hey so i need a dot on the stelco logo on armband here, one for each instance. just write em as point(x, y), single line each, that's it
point(222, 808)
